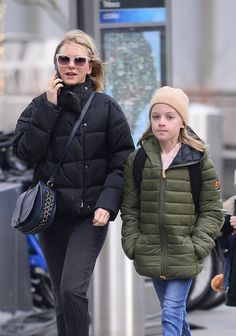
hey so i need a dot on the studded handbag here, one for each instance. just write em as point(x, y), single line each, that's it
point(36, 207)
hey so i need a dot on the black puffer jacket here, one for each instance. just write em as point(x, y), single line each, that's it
point(91, 175)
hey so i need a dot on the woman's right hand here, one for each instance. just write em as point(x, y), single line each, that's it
point(54, 85)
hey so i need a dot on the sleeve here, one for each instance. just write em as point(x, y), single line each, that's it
point(210, 217)
point(120, 144)
point(33, 129)
point(130, 210)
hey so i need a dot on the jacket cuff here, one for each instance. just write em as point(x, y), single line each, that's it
point(110, 200)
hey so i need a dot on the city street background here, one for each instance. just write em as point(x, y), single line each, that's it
point(214, 322)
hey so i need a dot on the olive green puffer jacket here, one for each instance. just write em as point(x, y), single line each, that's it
point(161, 231)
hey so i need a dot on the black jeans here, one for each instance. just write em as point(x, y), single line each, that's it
point(71, 248)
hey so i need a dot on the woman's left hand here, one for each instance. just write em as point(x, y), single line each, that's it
point(233, 221)
point(101, 217)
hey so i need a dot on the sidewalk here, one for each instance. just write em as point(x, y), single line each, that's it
point(214, 322)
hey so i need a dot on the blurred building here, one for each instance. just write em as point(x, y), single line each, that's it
point(202, 60)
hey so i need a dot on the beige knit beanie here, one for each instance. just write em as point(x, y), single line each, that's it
point(176, 98)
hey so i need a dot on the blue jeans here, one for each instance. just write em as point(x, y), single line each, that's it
point(172, 295)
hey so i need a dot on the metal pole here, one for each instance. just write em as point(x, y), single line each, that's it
point(118, 292)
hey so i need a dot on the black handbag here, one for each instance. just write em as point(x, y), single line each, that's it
point(36, 207)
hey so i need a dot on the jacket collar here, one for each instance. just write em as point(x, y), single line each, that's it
point(185, 156)
point(73, 98)
point(153, 150)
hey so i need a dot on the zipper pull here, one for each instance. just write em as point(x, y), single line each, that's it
point(163, 174)
point(81, 204)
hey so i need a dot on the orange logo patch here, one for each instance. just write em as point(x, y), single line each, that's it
point(217, 184)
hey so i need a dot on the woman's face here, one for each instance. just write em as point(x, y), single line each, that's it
point(166, 123)
point(73, 70)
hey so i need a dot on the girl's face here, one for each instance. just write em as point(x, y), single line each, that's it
point(73, 69)
point(166, 123)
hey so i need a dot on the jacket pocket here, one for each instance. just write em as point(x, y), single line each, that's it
point(128, 246)
point(203, 250)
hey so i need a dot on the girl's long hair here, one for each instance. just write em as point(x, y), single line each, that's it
point(85, 40)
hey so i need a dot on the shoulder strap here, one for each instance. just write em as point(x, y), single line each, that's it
point(78, 122)
point(195, 175)
point(138, 165)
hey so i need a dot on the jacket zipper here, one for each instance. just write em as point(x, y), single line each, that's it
point(161, 221)
point(162, 229)
point(81, 130)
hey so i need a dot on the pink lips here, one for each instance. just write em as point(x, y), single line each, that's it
point(71, 74)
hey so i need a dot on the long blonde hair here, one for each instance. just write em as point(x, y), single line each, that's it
point(80, 37)
point(186, 136)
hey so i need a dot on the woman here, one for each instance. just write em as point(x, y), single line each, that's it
point(162, 232)
point(89, 182)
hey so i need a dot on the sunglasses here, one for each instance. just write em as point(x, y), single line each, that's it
point(79, 61)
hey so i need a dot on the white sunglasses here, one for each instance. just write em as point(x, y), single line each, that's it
point(79, 61)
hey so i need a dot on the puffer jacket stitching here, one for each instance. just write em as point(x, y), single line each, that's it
point(91, 194)
point(153, 271)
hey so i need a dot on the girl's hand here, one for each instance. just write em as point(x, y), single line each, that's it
point(233, 221)
point(54, 85)
point(101, 217)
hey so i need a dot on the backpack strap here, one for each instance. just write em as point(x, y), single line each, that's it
point(138, 165)
point(195, 175)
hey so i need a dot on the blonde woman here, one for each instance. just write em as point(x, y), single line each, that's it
point(89, 182)
point(162, 232)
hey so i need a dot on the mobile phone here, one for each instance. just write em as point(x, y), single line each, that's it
point(58, 75)
point(55, 66)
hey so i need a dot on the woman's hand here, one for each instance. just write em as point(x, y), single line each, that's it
point(54, 85)
point(233, 221)
point(101, 217)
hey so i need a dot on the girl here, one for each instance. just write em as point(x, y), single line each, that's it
point(162, 232)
